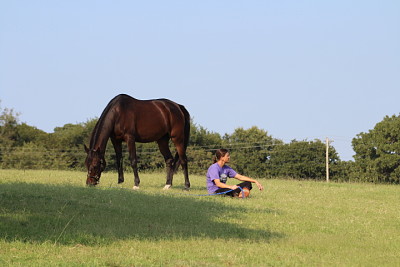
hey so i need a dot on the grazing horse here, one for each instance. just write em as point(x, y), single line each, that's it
point(132, 120)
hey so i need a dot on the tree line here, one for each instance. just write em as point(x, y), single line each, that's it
point(254, 152)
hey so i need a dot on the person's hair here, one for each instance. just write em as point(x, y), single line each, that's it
point(220, 153)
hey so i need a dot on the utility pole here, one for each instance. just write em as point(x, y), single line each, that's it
point(327, 159)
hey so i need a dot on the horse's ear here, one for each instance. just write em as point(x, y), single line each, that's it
point(86, 149)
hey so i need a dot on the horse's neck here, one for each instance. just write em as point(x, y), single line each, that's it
point(101, 142)
point(101, 134)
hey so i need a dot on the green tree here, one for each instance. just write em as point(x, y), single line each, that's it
point(8, 123)
point(69, 136)
point(27, 134)
point(8, 133)
point(199, 160)
point(68, 141)
point(202, 144)
point(201, 137)
point(302, 159)
point(250, 150)
point(341, 171)
point(377, 157)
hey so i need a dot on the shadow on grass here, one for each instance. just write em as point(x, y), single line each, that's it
point(89, 216)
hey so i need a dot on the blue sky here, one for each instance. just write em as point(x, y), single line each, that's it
point(297, 69)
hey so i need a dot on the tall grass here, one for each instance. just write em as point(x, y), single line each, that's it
point(51, 218)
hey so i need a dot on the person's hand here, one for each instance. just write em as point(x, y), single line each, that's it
point(233, 187)
point(259, 186)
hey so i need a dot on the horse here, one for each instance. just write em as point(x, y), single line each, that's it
point(126, 119)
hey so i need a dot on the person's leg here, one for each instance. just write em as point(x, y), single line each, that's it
point(245, 184)
point(230, 193)
point(246, 187)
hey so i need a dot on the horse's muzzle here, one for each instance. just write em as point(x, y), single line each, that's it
point(92, 180)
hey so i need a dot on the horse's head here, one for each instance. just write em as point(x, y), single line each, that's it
point(95, 164)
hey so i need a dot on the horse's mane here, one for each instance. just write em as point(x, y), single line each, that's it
point(101, 123)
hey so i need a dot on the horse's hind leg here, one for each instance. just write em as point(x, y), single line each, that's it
point(185, 171)
point(181, 150)
point(133, 159)
point(118, 152)
point(164, 149)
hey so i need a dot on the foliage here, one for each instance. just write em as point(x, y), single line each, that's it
point(301, 159)
point(201, 137)
point(32, 156)
point(250, 150)
point(8, 134)
point(199, 160)
point(202, 144)
point(377, 156)
point(341, 171)
point(29, 134)
point(254, 152)
point(8, 120)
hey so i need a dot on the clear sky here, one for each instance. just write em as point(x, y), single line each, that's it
point(297, 69)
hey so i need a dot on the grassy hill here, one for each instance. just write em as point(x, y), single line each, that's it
point(51, 218)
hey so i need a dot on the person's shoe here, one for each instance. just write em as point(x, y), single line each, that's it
point(246, 192)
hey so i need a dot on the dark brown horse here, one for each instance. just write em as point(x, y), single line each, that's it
point(132, 120)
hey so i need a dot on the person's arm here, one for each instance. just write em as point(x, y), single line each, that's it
point(248, 179)
point(222, 185)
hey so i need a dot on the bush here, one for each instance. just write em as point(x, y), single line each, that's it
point(377, 156)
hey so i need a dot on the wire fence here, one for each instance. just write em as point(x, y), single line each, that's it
point(300, 158)
point(269, 147)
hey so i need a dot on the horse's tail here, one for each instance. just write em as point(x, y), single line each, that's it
point(186, 114)
point(187, 125)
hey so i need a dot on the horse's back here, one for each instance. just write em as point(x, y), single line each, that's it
point(148, 120)
point(130, 104)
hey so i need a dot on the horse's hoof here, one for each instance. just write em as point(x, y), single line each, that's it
point(135, 187)
point(187, 189)
point(167, 186)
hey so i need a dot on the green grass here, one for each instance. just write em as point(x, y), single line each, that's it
point(50, 218)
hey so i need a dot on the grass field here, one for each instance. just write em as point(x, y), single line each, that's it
point(50, 218)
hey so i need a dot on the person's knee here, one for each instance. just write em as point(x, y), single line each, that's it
point(247, 185)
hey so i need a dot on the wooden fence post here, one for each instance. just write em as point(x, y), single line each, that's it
point(327, 159)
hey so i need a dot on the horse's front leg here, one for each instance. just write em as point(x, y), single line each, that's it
point(118, 153)
point(134, 161)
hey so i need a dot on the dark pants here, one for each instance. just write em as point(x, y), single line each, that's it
point(236, 191)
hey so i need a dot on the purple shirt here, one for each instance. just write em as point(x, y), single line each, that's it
point(216, 172)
